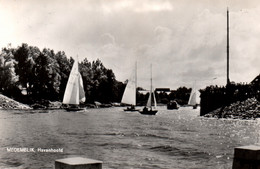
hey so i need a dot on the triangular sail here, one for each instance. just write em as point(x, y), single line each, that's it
point(74, 90)
point(194, 97)
point(149, 101)
point(81, 89)
point(151, 95)
point(155, 103)
point(129, 96)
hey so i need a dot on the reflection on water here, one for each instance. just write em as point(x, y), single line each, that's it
point(171, 139)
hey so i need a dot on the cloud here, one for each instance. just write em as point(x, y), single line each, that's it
point(154, 6)
point(136, 6)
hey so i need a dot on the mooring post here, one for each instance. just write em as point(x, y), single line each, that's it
point(78, 163)
point(246, 157)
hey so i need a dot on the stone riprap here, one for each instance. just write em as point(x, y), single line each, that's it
point(248, 109)
point(8, 103)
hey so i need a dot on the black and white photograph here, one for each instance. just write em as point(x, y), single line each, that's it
point(129, 84)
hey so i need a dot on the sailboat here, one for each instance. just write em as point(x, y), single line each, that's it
point(172, 104)
point(129, 96)
point(194, 98)
point(74, 92)
point(150, 111)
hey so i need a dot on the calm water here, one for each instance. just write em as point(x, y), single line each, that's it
point(173, 139)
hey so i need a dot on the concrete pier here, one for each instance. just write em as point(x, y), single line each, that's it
point(78, 163)
point(247, 157)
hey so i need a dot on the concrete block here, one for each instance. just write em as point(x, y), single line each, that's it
point(78, 163)
point(247, 157)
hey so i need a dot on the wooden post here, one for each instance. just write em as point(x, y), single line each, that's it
point(247, 157)
point(77, 163)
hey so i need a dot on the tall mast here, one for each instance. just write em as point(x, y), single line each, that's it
point(151, 79)
point(135, 74)
point(228, 81)
point(151, 89)
point(135, 81)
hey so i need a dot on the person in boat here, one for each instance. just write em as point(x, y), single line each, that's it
point(145, 109)
point(132, 107)
point(73, 106)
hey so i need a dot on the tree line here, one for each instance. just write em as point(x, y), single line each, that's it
point(29, 74)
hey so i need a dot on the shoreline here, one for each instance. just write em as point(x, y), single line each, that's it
point(244, 110)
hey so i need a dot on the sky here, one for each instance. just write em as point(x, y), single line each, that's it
point(183, 40)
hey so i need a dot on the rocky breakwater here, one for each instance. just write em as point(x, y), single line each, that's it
point(248, 109)
point(7, 103)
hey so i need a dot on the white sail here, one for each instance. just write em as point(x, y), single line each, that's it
point(129, 96)
point(151, 95)
point(194, 97)
point(81, 89)
point(74, 90)
point(149, 101)
point(155, 103)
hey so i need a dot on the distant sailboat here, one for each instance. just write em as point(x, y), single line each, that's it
point(150, 111)
point(194, 98)
point(172, 104)
point(74, 92)
point(129, 96)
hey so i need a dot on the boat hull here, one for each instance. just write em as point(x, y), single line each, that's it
point(172, 108)
point(131, 109)
point(149, 112)
point(74, 109)
point(172, 105)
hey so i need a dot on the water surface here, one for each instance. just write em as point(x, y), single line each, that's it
point(172, 139)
